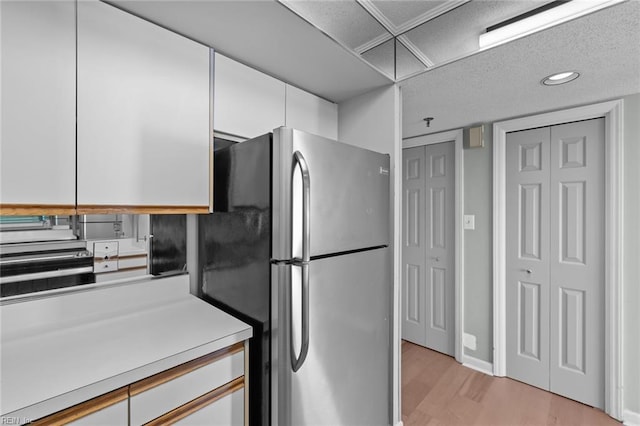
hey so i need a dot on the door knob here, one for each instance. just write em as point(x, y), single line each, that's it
point(528, 271)
point(437, 259)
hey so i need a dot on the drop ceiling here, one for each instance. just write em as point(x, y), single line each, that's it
point(403, 38)
point(505, 81)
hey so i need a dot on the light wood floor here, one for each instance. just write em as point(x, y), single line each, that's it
point(436, 390)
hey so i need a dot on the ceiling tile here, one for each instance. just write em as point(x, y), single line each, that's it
point(399, 12)
point(406, 62)
point(345, 21)
point(381, 57)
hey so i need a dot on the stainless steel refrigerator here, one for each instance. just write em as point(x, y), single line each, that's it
point(298, 247)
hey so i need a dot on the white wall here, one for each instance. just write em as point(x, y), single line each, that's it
point(478, 282)
point(478, 246)
point(372, 121)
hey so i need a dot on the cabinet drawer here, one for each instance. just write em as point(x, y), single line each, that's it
point(159, 394)
point(227, 411)
point(105, 266)
point(106, 410)
point(105, 250)
point(116, 414)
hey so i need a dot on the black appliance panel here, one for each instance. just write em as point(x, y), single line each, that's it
point(235, 252)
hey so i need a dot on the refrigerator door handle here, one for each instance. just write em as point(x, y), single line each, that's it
point(298, 159)
point(298, 360)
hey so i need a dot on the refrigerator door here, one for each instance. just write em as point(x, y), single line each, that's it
point(344, 379)
point(349, 195)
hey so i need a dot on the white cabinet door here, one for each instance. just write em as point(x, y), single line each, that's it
point(311, 114)
point(143, 115)
point(247, 103)
point(37, 153)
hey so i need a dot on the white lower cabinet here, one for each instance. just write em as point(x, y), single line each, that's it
point(160, 394)
point(116, 414)
point(209, 390)
point(105, 410)
point(227, 411)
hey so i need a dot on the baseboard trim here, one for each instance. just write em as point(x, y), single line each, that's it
point(630, 418)
point(477, 364)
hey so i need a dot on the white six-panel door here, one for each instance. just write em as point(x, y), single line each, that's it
point(555, 259)
point(428, 246)
point(528, 256)
point(414, 322)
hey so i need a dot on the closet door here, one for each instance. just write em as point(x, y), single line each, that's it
point(577, 261)
point(527, 293)
point(440, 260)
point(428, 246)
point(414, 299)
point(555, 259)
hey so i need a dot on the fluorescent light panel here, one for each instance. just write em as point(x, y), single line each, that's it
point(543, 20)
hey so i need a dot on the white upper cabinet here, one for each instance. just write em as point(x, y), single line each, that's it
point(310, 113)
point(143, 115)
point(37, 148)
point(247, 103)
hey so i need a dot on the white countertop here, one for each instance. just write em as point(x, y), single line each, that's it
point(60, 351)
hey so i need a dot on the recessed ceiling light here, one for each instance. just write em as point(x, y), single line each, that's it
point(560, 78)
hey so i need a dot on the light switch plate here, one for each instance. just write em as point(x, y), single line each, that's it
point(469, 221)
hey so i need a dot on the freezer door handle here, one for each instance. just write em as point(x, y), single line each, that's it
point(298, 360)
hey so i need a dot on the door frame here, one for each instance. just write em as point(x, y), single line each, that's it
point(612, 112)
point(457, 137)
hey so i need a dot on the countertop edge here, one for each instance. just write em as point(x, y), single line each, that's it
point(170, 293)
point(93, 390)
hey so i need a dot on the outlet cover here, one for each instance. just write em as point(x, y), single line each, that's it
point(469, 221)
point(469, 341)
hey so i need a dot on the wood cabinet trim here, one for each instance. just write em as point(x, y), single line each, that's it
point(37, 209)
point(131, 268)
point(70, 209)
point(84, 408)
point(175, 372)
point(198, 403)
point(103, 260)
point(132, 256)
point(133, 209)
